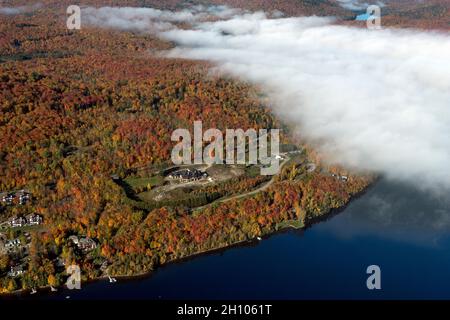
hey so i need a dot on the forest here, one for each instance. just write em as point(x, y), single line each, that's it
point(77, 107)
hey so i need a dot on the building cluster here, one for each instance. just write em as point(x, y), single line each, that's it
point(339, 177)
point(188, 175)
point(16, 249)
point(20, 197)
point(13, 246)
point(27, 221)
point(85, 244)
point(16, 271)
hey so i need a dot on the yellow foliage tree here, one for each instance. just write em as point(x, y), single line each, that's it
point(52, 280)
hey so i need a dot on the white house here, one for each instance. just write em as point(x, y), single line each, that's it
point(16, 271)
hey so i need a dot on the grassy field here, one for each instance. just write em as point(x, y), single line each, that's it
point(296, 224)
point(142, 183)
point(23, 229)
point(253, 171)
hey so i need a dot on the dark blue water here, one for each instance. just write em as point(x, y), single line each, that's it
point(404, 231)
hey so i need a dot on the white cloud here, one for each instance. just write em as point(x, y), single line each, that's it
point(19, 10)
point(149, 19)
point(373, 100)
point(10, 10)
point(377, 100)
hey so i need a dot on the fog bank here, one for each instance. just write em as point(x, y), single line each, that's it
point(373, 100)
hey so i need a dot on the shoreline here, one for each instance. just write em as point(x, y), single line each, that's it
point(18, 294)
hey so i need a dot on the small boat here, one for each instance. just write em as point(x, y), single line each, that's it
point(259, 238)
point(33, 291)
point(112, 280)
point(53, 289)
point(67, 297)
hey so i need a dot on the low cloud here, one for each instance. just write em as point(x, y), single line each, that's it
point(19, 10)
point(371, 100)
point(149, 19)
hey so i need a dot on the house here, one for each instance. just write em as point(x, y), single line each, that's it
point(23, 196)
point(104, 266)
point(16, 271)
point(339, 177)
point(10, 198)
point(74, 239)
point(27, 237)
point(11, 244)
point(34, 219)
point(188, 175)
point(30, 220)
point(17, 222)
point(85, 244)
point(7, 198)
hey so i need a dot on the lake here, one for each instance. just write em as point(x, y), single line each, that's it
point(402, 230)
point(363, 17)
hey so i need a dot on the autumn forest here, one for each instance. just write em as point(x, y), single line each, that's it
point(84, 111)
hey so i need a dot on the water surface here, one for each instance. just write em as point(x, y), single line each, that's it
point(403, 231)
